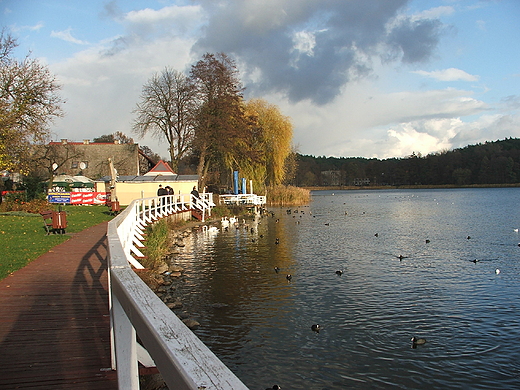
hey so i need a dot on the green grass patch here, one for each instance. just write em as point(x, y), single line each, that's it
point(156, 243)
point(24, 238)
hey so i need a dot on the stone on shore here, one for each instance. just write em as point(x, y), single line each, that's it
point(191, 323)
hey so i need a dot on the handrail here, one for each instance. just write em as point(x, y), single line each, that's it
point(182, 359)
point(244, 199)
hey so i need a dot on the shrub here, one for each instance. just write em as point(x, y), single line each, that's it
point(287, 196)
point(17, 202)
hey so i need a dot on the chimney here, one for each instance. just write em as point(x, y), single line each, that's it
point(64, 141)
point(86, 141)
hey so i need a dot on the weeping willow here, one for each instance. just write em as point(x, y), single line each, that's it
point(274, 138)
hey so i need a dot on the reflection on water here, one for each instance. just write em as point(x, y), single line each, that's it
point(444, 289)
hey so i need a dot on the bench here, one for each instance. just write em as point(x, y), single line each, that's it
point(114, 207)
point(54, 221)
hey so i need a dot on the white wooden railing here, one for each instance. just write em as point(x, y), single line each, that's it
point(243, 199)
point(182, 359)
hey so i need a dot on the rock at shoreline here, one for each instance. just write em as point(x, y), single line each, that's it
point(175, 268)
point(177, 304)
point(219, 305)
point(191, 323)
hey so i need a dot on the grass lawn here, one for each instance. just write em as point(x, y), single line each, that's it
point(24, 238)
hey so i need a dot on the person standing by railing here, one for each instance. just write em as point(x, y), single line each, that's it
point(162, 192)
point(195, 193)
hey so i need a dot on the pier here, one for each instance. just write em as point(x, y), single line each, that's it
point(54, 319)
point(71, 319)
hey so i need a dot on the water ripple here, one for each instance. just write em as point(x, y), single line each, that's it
point(259, 323)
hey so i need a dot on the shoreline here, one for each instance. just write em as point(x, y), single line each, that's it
point(409, 187)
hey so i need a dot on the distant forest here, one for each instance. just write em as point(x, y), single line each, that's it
point(495, 162)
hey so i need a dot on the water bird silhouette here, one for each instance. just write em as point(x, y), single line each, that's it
point(416, 342)
point(339, 272)
point(276, 269)
point(316, 328)
point(288, 277)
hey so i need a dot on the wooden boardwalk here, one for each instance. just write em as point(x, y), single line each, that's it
point(54, 321)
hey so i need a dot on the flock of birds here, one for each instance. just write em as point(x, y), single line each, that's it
point(226, 222)
point(415, 342)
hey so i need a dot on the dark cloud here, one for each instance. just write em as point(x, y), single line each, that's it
point(342, 38)
point(415, 40)
point(111, 10)
point(116, 46)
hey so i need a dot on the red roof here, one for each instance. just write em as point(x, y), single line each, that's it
point(161, 168)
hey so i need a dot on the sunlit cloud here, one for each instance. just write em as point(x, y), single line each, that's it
point(451, 74)
point(66, 36)
point(36, 27)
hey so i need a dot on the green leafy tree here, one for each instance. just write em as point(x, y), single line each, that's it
point(222, 130)
point(118, 136)
point(29, 102)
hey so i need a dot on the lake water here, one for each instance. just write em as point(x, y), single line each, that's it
point(259, 323)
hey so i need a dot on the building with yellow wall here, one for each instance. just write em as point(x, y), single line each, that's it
point(128, 188)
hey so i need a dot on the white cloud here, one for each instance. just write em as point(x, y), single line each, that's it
point(451, 74)
point(102, 90)
point(357, 123)
point(168, 20)
point(434, 13)
point(67, 36)
point(35, 27)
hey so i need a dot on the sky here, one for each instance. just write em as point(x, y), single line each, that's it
point(371, 78)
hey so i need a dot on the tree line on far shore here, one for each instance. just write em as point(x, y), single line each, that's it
point(489, 163)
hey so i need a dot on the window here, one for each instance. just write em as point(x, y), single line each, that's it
point(74, 164)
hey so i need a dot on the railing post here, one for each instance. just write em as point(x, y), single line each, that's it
point(125, 348)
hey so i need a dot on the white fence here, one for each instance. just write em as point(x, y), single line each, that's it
point(243, 199)
point(181, 358)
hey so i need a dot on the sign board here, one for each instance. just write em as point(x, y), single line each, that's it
point(58, 197)
point(77, 197)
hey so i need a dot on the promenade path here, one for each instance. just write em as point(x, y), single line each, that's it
point(54, 320)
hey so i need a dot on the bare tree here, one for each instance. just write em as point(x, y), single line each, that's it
point(166, 111)
point(49, 159)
